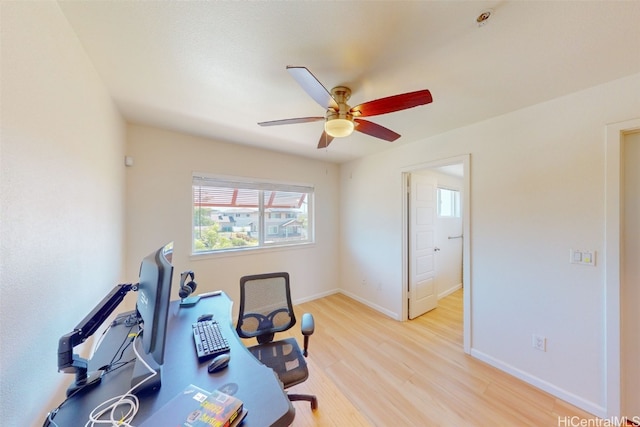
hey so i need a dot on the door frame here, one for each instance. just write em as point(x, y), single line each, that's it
point(465, 160)
point(615, 134)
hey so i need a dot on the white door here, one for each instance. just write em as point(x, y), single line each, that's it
point(422, 209)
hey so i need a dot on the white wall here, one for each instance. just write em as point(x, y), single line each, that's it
point(537, 190)
point(61, 195)
point(159, 210)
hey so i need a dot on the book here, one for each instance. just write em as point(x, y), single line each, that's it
point(196, 407)
point(239, 418)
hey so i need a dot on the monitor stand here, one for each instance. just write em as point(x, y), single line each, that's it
point(141, 379)
point(84, 381)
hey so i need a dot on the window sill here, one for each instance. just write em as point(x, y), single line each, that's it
point(251, 251)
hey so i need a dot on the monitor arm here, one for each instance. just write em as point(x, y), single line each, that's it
point(69, 362)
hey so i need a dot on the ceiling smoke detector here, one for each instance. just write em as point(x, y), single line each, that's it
point(484, 17)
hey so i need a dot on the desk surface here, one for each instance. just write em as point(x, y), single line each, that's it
point(255, 384)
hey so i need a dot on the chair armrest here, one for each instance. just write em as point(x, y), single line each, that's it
point(307, 326)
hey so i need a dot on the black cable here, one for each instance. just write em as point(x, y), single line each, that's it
point(51, 415)
point(126, 342)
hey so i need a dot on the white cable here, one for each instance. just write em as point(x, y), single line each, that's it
point(99, 341)
point(128, 399)
point(49, 417)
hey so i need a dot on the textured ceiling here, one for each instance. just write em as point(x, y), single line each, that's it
point(216, 68)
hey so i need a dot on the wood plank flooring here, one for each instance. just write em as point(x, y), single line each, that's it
point(369, 370)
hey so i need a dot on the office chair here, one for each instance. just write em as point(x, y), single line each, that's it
point(265, 309)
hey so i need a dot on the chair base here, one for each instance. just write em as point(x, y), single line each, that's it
point(309, 398)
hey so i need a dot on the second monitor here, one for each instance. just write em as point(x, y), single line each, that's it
point(152, 308)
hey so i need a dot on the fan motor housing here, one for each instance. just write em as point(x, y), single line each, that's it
point(341, 94)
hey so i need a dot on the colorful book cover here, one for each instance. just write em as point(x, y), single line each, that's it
point(195, 407)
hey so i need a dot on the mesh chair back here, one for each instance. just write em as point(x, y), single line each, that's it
point(265, 306)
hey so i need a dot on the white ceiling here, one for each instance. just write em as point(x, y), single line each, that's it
point(216, 68)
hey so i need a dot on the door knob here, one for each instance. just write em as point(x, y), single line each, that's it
point(436, 249)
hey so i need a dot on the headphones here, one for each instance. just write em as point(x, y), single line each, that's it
point(187, 288)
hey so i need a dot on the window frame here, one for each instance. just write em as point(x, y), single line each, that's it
point(265, 242)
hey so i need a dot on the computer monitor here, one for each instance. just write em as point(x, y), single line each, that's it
point(154, 293)
point(152, 308)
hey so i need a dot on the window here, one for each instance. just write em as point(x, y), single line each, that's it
point(238, 214)
point(448, 203)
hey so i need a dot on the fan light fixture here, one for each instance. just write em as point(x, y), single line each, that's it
point(340, 119)
point(338, 128)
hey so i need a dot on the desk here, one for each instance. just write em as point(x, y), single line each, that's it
point(257, 386)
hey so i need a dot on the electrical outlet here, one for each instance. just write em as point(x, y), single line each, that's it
point(539, 342)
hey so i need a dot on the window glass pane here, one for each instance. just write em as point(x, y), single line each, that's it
point(286, 219)
point(448, 203)
point(224, 218)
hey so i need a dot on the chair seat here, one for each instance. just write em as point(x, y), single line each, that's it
point(285, 358)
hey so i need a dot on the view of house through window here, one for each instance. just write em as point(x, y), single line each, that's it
point(233, 214)
point(448, 203)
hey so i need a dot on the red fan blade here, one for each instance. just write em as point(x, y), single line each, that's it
point(291, 121)
point(392, 103)
point(325, 140)
point(375, 130)
point(312, 86)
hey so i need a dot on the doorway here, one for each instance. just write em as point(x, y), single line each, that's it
point(630, 276)
point(430, 243)
point(618, 373)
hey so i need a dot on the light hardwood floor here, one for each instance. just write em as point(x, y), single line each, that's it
point(369, 370)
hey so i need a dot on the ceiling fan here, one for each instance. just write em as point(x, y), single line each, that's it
point(341, 119)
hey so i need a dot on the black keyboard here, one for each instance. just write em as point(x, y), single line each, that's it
point(208, 339)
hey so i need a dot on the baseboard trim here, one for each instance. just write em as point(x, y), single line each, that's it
point(376, 307)
point(450, 291)
point(591, 407)
point(352, 296)
point(316, 296)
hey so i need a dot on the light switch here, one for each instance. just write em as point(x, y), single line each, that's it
point(584, 257)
